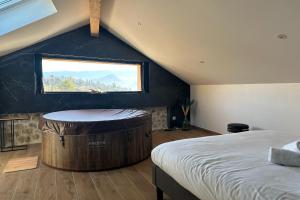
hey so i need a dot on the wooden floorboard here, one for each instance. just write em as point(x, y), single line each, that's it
point(45, 183)
point(124, 186)
point(10, 181)
point(105, 186)
point(65, 185)
point(147, 190)
point(85, 186)
point(26, 185)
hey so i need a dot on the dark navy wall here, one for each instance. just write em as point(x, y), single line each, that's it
point(17, 81)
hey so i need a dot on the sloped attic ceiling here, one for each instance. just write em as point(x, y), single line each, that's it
point(201, 41)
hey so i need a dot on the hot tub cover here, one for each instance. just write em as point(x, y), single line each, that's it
point(92, 121)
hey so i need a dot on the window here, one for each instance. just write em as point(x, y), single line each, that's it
point(74, 75)
point(15, 14)
point(4, 4)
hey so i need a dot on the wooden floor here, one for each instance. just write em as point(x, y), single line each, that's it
point(129, 183)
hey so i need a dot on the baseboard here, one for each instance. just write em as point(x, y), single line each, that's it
point(203, 129)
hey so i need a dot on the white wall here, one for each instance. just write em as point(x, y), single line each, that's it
point(262, 106)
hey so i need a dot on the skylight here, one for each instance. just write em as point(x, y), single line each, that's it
point(4, 4)
point(15, 14)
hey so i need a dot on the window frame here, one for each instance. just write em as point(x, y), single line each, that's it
point(38, 73)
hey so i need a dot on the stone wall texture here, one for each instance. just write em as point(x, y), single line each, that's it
point(159, 117)
point(27, 132)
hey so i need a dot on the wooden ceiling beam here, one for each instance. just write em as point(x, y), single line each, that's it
point(95, 6)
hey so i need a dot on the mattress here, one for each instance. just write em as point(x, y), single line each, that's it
point(230, 167)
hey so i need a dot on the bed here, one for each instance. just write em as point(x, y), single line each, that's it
point(232, 167)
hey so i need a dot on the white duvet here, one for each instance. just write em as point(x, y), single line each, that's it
point(230, 167)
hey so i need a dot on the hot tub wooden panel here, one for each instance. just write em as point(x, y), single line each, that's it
point(103, 150)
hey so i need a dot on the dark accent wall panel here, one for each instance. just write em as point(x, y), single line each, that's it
point(17, 81)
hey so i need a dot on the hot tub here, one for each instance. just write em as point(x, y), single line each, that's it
point(96, 139)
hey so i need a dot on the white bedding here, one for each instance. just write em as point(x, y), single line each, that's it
point(230, 167)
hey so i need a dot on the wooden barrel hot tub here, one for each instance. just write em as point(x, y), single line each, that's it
point(90, 140)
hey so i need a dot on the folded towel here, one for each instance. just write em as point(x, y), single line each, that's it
point(284, 157)
point(293, 146)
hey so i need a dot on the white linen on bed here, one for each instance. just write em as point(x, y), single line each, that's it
point(230, 167)
point(293, 146)
point(284, 157)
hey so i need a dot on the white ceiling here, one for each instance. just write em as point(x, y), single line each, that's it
point(237, 39)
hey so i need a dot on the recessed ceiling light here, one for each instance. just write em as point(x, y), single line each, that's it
point(282, 36)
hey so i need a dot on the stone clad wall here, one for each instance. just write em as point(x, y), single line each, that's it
point(159, 117)
point(27, 132)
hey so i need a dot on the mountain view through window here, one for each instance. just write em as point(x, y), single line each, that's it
point(64, 75)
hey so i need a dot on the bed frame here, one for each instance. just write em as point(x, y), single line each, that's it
point(166, 184)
